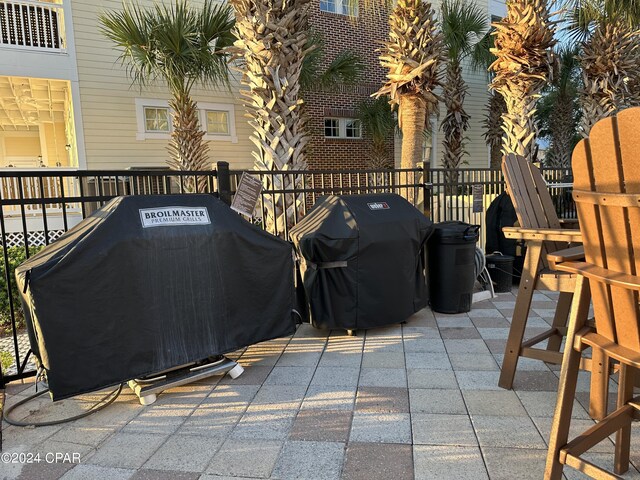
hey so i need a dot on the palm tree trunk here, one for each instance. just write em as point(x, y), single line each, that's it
point(272, 37)
point(562, 128)
point(519, 125)
point(413, 110)
point(187, 151)
point(493, 128)
point(525, 61)
point(455, 123)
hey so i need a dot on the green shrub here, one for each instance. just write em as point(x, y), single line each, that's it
point(6, 360)
point(16, 255)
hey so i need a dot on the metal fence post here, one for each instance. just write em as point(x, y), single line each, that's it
point(426, 188)
point(224, 182)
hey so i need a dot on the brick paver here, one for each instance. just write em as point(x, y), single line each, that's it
point(413, 401)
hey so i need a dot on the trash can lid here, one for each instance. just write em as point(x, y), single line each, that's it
point(456, 230)
point(499, 258)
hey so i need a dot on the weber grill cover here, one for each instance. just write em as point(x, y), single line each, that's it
point(138, 288)
point(362, 265)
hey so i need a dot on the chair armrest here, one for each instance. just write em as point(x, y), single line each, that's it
point(548, 234)
point(601, 275)
point(574, 254)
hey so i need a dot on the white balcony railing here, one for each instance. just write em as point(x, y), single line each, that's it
point(30, 188)
point(32, 25)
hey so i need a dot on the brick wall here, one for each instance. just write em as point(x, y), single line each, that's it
point(361, 36)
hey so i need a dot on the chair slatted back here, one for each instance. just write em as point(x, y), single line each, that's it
point(608, 162)
point(531, 198)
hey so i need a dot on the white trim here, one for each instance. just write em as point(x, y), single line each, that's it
point(203, 107)
point(142, 133)
point(225, 107)
point(76, 103)
point(342, 128)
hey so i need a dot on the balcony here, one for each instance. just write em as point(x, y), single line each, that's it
point(32, 25)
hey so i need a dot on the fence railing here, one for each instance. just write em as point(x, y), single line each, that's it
point(451, 194)
point(38, 206)
point(32, 25)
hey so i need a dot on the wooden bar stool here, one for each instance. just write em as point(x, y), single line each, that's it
point(607, 194)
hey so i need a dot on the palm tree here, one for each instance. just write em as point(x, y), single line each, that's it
point(379, 123)
point(461, 23)
point(609, 55)
point(413, 54)
point(524, 64)
point(272, 41)
point(344, 69)
point(180, 46)
point(559, 111)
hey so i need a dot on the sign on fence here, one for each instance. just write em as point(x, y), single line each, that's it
point(247, 194)
point(478, 191)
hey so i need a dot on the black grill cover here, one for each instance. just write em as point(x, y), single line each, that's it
point(361, 263)
point(112, 300)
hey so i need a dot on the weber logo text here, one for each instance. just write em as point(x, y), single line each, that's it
point(173, 216)
point(378, 206)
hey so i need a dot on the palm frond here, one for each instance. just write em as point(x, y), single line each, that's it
point(581, 16)
point(481, 56)
point(345, 69)
point(377, 118)
point(462, 25)
point(311, 64)
point(176, 43)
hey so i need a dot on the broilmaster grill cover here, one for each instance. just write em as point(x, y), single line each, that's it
point(149, 283)
point(361, 263)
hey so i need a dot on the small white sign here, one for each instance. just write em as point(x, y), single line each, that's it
point(247, 194)
point(173, 216)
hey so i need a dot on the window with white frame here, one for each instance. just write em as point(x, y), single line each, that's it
point(341, 7)
point(217, 122)
point(342, 128)
point(154, 120)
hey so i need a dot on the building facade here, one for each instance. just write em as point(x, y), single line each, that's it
point(67, 102)
point(337, 138)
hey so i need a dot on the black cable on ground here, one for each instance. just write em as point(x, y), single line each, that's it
point(95, 408)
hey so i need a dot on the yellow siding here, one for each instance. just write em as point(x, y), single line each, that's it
point(108, 103)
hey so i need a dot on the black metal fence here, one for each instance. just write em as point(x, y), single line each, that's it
point(36, 207)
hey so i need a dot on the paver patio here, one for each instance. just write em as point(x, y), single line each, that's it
point(418, 400)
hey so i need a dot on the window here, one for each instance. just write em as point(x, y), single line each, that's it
point(217, 122)
point(156, 119)
point(153, 119)
point(341, 7)
point(331, 127)
point(352, 129)
point(342, 128)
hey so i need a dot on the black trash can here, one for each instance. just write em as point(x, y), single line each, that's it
point(452, 266)
point(500, 269)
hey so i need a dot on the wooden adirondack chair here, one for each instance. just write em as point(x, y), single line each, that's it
point(543, 233)
point(606, 169)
